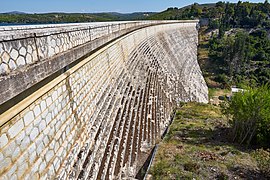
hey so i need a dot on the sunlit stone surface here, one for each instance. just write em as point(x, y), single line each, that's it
point(100, 118)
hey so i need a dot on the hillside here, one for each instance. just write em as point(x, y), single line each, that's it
point(23, 18)
point(235, 43)
point(193, 11)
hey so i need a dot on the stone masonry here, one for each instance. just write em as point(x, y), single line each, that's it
point(29, 54)
point(100, 118)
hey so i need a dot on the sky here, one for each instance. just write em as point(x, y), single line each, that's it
point(90, 6)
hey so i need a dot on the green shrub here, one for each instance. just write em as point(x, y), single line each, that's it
point(249, 112)
point(221, 78)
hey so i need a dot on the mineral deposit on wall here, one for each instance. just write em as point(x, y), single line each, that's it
point(100, 119)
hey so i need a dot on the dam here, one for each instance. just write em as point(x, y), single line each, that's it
point(90, 100)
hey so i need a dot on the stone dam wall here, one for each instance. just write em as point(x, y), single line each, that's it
point(29, 54)
point(100, 118)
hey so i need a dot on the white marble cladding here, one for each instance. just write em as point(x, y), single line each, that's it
point(25, 45)
point(101, 117)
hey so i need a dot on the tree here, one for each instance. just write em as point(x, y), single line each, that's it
point(250, 116)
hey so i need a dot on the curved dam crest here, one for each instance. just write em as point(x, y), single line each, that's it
point(101, 118)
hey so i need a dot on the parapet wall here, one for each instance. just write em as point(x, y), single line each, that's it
point(20, 47)
point(100, 118)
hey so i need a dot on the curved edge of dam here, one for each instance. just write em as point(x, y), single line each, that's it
point(101, 118)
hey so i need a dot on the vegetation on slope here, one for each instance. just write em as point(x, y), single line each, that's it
point(228, 14)
point(197, 146)
point(52, 18)
point(194, 11)
point(235, 46)
point(241, 58)
point(23, 18)
point(239, 49)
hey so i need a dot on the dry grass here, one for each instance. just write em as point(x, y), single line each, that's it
point(197, 147)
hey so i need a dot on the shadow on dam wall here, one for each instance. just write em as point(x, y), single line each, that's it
point(101, 118)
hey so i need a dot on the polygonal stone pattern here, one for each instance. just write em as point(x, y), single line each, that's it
point(5, 57)
point(16, 54)
point(20, 61)
point(28, 59)
point(26, 133)
point(31, 53)
point(108, 113)
point(23, 51)
point(4, 68)
point(40, 47)
point(12, 64)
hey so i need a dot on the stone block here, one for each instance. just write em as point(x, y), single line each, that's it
point(12, 64)
point(32, 148)
point(4, 69)
point(49, 101)
point(44, 114)
point(56, 163)
point(16, 153)
point(42, 126)
point(3, 140)
point(5, 164)
point(40, 147)
point(21, 169)
point(35, 167)
point(5, 57)
point(48, 118)
point(28, 118)
point(54, 96)
point(29, 59)
point(14, 54)
point(49, 156)
point(34, 133)
point(43, 105)
point(32, 157)
point(42, 167)
point(29, 49)
point(15, 129)
point(23, 51)
point(20, 61)
point(56, 147)
point(29, 129)
point(12, 171)
point(46, 140)
point(37, 110)
point(25, 143)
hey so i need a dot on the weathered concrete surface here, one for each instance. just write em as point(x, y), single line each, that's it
point(102, 116)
